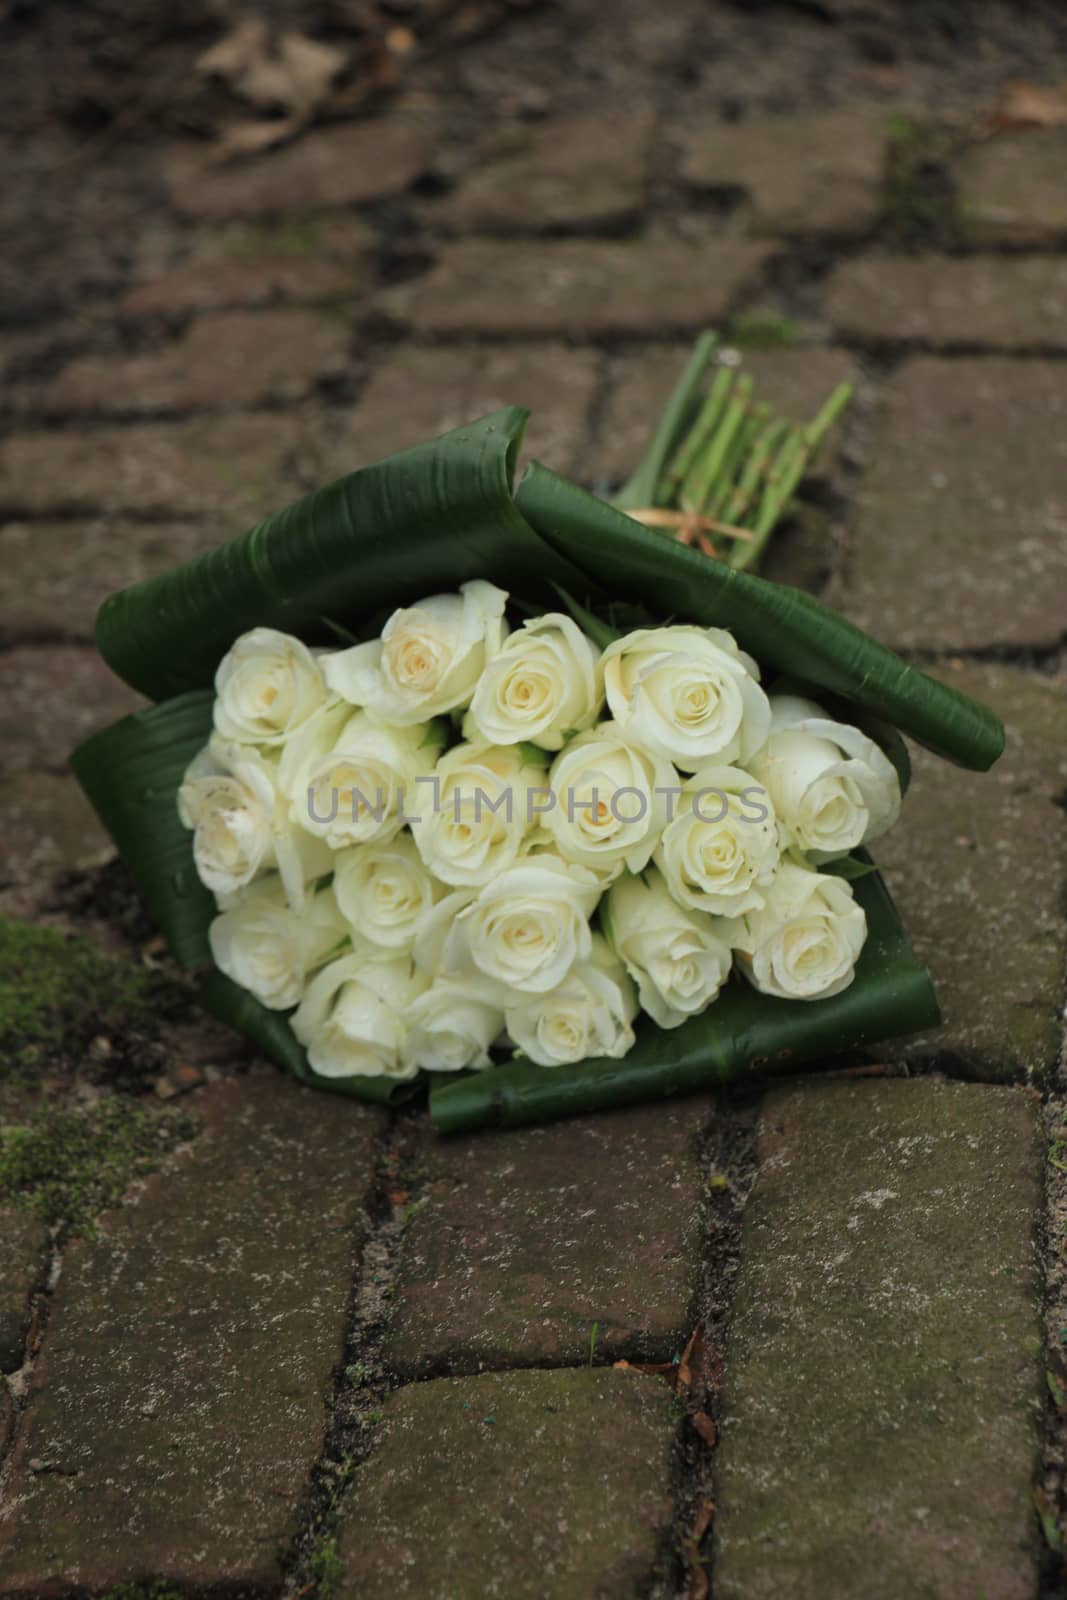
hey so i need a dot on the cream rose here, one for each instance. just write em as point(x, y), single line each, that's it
point(268, 948)
point(611, 801)
point(688, 694)
point(473, 818)
point(429, 657)
point(678, 958)
point(542, 686)
point(720, 852)
point(266, 687)
point(231, 798)
point(525, 930)
point(453, 1025)
point(805, 941)
point(831, 786)
point(351, 1020)
point(359, 783)
point(588, 1014)
point(384, 892)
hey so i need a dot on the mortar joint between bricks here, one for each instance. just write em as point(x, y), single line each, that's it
point(19, 1382)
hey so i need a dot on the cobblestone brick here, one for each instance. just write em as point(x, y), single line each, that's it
point(978, 864)
point(966, 488)
point(547, 1485)
point(1007, 303)
point(883, 1374)
point(236, 468)
point(233, 359)
point(419, 393)
point(221, 285)
point(578, 172)
point(53, 575)
point(525, 1241)
point(819, 173)
point(54, 696)
point(1011, 188)
point(23, 1247)
point(179, 1401)
point(341, 166)
point(594, 287)
point(47, 826)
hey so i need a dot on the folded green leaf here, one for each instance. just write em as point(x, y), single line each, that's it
point(743, 1034)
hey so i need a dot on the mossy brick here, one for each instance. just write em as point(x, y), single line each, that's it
point(546, 1485)
point(332, 168)
point(56, 695)
point(576, 288)
point(55, 575)
point(809, 174)
point(419, 392)
point(23, 1254)
point(978, 866)
point(520, 1242)
point(883, 1377)
point(1002, 302)
point(180, 1398)
point(571, 172)
point(958, 542)
point(231, 358)
point(795, 381)
point(1011, 188)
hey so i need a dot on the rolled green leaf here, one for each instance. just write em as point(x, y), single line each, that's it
point(743, 1034)
point(783, 628)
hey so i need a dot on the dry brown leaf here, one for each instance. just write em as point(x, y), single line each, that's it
point(286, 72)
point(1030, 105)
point(705, 1426)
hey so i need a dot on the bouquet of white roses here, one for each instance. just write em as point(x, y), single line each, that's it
point(421, 823)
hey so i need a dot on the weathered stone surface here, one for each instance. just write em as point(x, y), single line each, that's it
point(577, 172)
point(341, 166)
point(566, 287)
point(236, 469)
point(1008, 303)
point(46, 826)
point(819, 173)
point(883, 1375)
point(554, 1485)
point(178, 1403)
point(966, 486)
point(54, 696)
point(522, 1242)
point(23, 1246)
point(1011, 188)
point(419, 393)
point(53, 575)
point(221, 285)
point(795, 381)
point(978, 865)
point(236, 358)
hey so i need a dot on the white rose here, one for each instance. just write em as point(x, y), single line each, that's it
point(384, 892)
point(805, 941)
point(428, 659)
point(543, 685)
point(268, 948)
point(231, 798)
point(611, 800)
point(721, 850)
point(453, 1025)
point(588, 1014)
point(266, 687)
point(689, 694)
point(359, 784)
point(351, 1020)
point(525, 930)
point(831, 786)
point(472, 825)
point(678, 958)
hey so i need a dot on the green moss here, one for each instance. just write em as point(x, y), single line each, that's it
point(298, 236)
point(326, 1568)
point(758, 330)
point(57, 993)
point(921, 202)
point(67, 1166)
